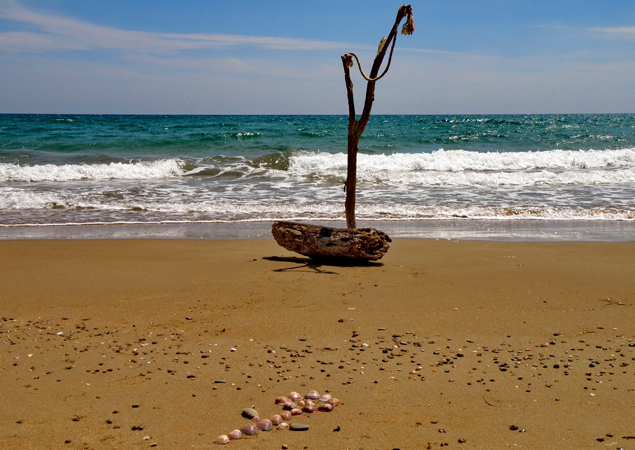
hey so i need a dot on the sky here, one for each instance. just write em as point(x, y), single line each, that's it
point(283, 57)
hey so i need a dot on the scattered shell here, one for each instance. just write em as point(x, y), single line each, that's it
point(326, 407)
point(309, 409)
point(289, 406)
point(276, 420)
point(294, 396)
point(222, 439)
point(249, 413)
point(236, 434)
point(325, 397)
point(283, 426)
point(301, 403)
point(312, 395)
point(334, 402)
point(298, 427)
point(282, 400)
point(286, 415)
point(249, 430)
point(255, 419)
point(296, 411)
point(265, 425)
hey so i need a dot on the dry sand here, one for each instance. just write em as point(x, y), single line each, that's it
point(158, 343)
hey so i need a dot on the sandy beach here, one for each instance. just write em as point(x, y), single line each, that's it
point(133, 344)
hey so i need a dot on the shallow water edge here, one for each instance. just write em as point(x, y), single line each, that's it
point(459, 229)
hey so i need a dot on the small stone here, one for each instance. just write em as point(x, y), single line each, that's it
point(249, 413)
point(298, 427)
point(513, 428)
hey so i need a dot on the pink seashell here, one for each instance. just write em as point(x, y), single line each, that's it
point(289, 406)
point(309, 403)
point(255, 419)
point(309, 409)
point(265, 425)
point(296, 411)
point(294, 396)
point(222, 439)
point(325, 397)
point(276, 420)
point(286, 415)
point(326, 407)
point(236, 434)
point(249, 430)
point(312, 395)
point(282, 400)
point(334, 402)
point(283, 426)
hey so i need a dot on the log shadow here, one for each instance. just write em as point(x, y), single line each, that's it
point(317, 263)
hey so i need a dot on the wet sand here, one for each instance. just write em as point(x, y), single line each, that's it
point(161, 343)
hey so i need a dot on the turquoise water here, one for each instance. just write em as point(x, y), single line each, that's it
point(94, 169)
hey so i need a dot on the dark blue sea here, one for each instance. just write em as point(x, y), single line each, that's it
point(414, 172)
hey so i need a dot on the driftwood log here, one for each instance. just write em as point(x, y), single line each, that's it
point(316, 242)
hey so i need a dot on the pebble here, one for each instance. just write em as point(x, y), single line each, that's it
point(249, 413)
point(298, 427)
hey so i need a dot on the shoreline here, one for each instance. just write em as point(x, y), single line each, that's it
point(511, 230)
point(140, 343)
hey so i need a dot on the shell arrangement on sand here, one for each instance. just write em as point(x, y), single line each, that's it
point(292, 405)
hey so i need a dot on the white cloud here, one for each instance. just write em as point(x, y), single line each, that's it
point(64, 33)
point(617, 31)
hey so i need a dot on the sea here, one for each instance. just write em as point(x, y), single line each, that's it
point(500, 177)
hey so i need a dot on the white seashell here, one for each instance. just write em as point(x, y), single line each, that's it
point(222, 439)
point(325, 397)
point(294, 396)
point(283, 426)
point(236, 434)
point(312, 395)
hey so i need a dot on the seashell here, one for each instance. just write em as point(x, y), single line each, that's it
point(222, 439)
point(249, 413)
point(283, 426)
point(325, 397)
point(334, 402)
point(326, 407)
point(282, 400)
point(301, 403)
point(265, 425)
point(294, 396)
point(289, 406)
point(249, 430)
point(236, 434)
point(309, 403)
point(256, 419)
point(276, 420)
point(312, 395)
point(286, 415)
point(296, 411)
point(309, 409)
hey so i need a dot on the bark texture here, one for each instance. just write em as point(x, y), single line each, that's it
point(316, 242)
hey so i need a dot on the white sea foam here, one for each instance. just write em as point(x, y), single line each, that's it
point(145, 170)
point(463, 168)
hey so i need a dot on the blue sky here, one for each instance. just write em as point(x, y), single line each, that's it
point(283, 57)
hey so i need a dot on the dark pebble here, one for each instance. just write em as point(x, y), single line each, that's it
point(249, 413)
point(513, 428)
point(298, 427)
point(461, 441)
point(220, 381)
point(137, 427)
